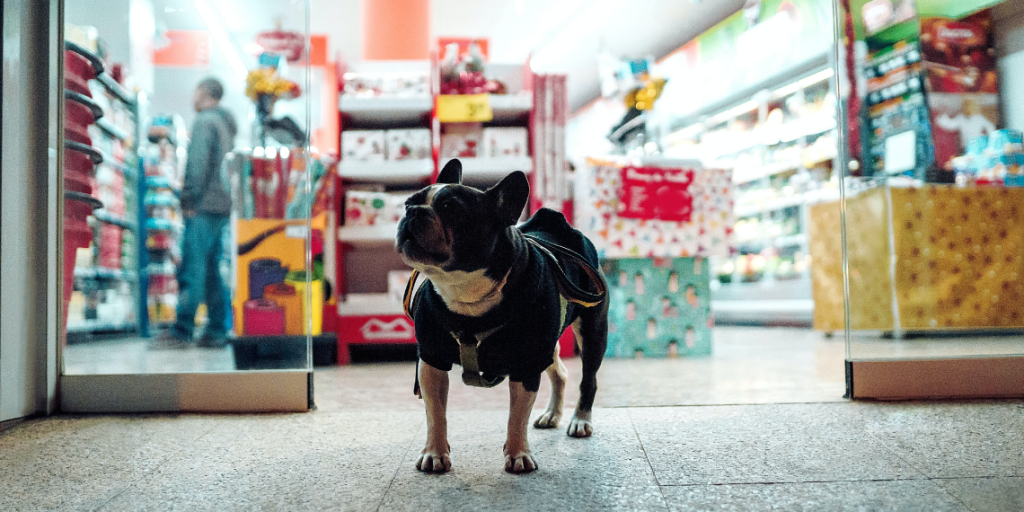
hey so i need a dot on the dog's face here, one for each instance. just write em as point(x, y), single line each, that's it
point(449, 226)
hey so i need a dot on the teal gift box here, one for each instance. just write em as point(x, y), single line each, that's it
point(658, 307)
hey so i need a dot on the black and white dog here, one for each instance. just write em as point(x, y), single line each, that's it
point(495, 300)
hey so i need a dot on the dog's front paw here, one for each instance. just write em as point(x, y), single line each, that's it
point(580, 425)
point(434, 461)
point(520, 461)
point(548, 420)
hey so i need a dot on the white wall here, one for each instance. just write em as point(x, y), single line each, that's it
point(1009, 28)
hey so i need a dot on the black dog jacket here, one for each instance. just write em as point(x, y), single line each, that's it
point(518, 337)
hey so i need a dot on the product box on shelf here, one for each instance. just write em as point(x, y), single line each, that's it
point(505, 142)
point(370, 85)
point(397, 281)
point(363, 145)
point(373, 208)
point(408, 144)
point(659, 307)
point(462, 140)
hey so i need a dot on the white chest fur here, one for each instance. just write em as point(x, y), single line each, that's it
point(466, 293)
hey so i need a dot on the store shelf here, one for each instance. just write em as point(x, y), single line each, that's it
point(494, 168)
point(776, 241)
point(409, 110)
point(116, 88)
point(389, 172)
point(780, 203)
point(748, 174)
point(105, 273)
point(110, 218)
point(110, 160)
point(356, 304)
point(510, 107)
point(379, 234)
point(112, 129)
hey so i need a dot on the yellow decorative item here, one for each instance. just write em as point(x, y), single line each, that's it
point(643, 98)
point(266, 81)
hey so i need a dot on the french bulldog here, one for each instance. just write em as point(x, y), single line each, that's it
point(490, 287)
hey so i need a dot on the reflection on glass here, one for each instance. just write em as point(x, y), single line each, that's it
point(198, 257)
point(935, 239)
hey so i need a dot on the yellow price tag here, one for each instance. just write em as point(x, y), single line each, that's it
point(464, 108)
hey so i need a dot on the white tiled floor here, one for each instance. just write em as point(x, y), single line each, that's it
point(759, 425)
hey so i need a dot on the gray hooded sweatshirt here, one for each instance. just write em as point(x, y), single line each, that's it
point(206, 187)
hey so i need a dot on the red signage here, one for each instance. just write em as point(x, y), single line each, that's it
point(182, 48)
point(289, 44)
point(654, 193)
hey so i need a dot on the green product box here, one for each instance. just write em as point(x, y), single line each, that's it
point(658, 307)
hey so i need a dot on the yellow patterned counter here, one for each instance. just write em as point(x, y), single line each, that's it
point(956, 256)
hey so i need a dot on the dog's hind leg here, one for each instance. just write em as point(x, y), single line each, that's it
point(557, 375)
point(593, 340)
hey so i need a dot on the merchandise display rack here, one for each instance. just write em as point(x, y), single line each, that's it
point(782, 148)
point(107, 283)
point(365, 255)
point(162, 226)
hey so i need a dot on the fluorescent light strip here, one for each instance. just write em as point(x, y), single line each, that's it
point(803, 83)
point(221, 36)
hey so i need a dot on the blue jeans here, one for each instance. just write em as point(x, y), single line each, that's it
point(199, 279)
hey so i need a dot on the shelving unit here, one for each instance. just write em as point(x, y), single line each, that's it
point(162, 227)
point(364, 254)
point(781, 147)
point(106, 284)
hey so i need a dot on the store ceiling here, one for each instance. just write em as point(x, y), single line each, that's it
point(564, 36)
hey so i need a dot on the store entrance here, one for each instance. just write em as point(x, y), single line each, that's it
point(193, 254)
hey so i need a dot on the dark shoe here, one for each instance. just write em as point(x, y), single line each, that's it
point(168, 340)
point(212, 341)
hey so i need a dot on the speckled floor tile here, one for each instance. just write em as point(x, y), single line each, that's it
point(763, 444)
point(282, 462)
point(984, 494)
point(605, 472)
point(905, 495)
point(78, 463)
point(950, 440)
point(747, 366)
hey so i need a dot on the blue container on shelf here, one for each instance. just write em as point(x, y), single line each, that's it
point(264, 272)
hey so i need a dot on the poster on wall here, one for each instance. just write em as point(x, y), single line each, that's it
point(960, 65)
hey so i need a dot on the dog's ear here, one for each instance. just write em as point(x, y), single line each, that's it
point(509, 197)
point(452, 173)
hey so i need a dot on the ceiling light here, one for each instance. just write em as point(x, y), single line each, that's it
point(220, 35)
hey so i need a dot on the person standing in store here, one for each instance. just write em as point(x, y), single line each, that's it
point(206, 205)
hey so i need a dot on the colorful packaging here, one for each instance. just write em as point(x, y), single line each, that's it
point(462, 140)
point(363, 145)
point(373, 208)
point(1005, 141)
point(505, 142)
point(408, 144)
point(397, 280)
point(977, 146)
